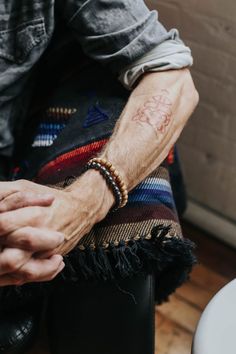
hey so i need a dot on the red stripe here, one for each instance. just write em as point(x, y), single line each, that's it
point(170, 157)
point(65, 161)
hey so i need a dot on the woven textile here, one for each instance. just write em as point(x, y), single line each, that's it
point(145, 235)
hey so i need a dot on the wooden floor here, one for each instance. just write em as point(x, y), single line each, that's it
point(176, 320)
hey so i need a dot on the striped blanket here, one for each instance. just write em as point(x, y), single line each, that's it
point(145, 236)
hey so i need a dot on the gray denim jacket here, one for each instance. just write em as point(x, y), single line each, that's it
point(114, 32)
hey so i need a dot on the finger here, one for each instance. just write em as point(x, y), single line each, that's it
point(33, 239)
point(63, 249)
point(37, 270)
point(4, 193)
point(12, 259)
point(8, 188)
point(7, 280)
point(22, 199)
point(11, 221)
point(67, 246)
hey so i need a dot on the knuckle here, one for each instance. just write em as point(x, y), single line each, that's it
point(19, 184)
point(19, 197)
point(22, 183)
point(10, 265)
point(27, 241)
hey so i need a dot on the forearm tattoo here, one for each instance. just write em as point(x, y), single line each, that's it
point(156, 112)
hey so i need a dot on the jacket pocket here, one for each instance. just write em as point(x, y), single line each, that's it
point(17, 43)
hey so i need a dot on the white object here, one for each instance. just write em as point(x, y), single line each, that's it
point(216, 330)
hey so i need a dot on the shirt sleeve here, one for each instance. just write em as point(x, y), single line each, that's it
point(116, 33)
point(169, 55)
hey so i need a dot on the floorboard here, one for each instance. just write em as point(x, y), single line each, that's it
point(171, 338)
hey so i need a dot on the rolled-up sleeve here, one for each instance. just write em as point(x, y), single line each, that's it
point(116, 33)
point(126, 36)
point(169, 55)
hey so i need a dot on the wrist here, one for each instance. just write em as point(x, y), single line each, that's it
point(93, 189)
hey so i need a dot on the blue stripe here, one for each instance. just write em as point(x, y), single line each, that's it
point(139, 203)
point(43, 130)
point(153, 197)
point(150, 192)
point(52, 125)
point(154, 186)
point(155, 180)
point(162, 200)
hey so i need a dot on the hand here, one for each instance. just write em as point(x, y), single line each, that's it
point(35, 232)
point(19, 266)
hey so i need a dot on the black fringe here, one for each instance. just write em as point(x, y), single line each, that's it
point(169, 258)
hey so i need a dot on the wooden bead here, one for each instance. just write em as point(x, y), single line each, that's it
point(118, 182)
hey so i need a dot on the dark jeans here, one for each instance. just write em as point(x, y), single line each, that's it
point(103, 318)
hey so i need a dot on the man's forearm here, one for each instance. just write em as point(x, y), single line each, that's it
point(148, 127)
point(150, 124)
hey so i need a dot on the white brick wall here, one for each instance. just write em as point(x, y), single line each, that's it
point(208, 144)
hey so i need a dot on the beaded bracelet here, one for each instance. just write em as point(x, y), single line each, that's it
point(120, 183)
point(113, 180)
